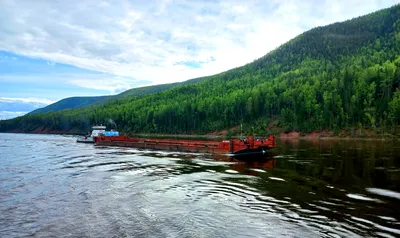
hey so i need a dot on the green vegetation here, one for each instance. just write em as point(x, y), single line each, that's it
point(342, 76)
point(72, 102)
point(78, 102)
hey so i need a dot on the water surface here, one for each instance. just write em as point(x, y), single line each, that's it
point(52, 186)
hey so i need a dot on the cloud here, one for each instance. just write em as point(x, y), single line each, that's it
point(51, 63)
point(13, 107)
point(111, 84)
point(195, 64)
point(4, 115)
point(104, 83)
point(161, 41)
point(25, 100)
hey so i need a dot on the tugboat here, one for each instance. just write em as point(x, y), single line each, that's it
point(96, 131)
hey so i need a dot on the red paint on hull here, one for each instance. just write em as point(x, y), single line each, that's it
point(248, 145)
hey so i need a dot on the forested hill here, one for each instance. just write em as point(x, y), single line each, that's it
point(78, 102)
point(342, 76)
point(72, 102)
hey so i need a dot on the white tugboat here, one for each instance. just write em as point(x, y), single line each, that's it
point(96, 131)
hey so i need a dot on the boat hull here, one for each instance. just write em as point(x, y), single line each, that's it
point(234, 147)
point(86, 139)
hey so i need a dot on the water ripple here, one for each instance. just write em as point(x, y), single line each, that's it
point(51, 186)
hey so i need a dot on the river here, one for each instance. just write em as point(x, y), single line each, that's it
point(52, 186)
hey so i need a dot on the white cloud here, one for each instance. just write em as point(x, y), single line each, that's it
point(51, 63)
point(13, 107)
point(25, 100)
point(8, 115)
point(144, 40)
point(113, 85)
point(96, 81)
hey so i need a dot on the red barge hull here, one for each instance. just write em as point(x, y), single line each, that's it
point(236, 147)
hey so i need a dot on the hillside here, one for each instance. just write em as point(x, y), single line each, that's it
point(79, 102)
point(72, 102)
point(341, 76)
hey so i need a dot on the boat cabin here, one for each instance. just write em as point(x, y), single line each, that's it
point(97, 130)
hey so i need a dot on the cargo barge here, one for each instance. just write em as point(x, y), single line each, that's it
point(250, 145)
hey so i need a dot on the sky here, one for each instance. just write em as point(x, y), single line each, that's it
point(50, 50)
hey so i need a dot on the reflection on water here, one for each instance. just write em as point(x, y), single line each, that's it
point(52, 186)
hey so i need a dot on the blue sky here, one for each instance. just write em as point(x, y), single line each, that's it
point(51, 50)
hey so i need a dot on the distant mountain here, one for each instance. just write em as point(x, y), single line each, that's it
point(79, 102)
point(73, 102)
point(344, 76)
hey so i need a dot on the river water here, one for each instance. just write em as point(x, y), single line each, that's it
point(52, 186)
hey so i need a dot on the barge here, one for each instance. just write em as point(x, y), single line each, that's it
point(248, 146)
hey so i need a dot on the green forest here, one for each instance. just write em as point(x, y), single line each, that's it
point(344, 76)
point(78, 102)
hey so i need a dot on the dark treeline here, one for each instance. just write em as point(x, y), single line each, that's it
point(342, 76)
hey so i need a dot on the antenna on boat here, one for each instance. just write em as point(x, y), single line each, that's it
point(241, 131)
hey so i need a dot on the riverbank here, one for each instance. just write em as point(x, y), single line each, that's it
point(352, 134)
point(340, 134)
point(282, 135)
point(43, 130)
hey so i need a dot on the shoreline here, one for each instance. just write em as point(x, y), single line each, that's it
point(280, 136)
